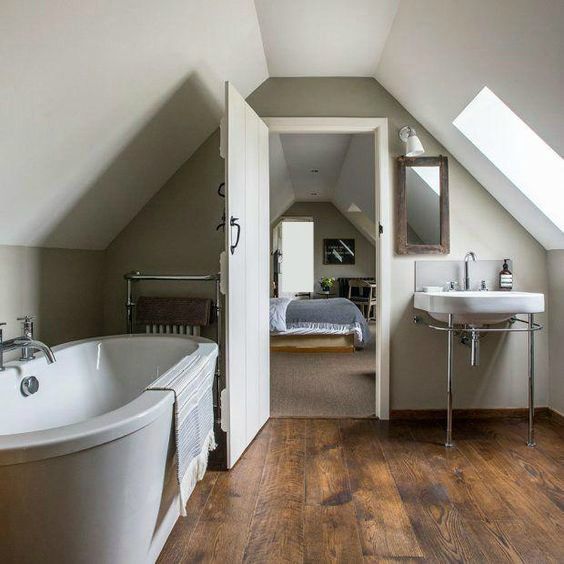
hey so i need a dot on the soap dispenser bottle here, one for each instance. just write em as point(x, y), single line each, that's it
point(505, 277)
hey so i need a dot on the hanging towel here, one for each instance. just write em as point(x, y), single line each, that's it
point(173, 311)
point(191, 380)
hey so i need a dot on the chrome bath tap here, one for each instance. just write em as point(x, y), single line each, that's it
point(470, 255)
point(26, 343)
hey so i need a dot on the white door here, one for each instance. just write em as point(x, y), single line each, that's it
point(247, 394)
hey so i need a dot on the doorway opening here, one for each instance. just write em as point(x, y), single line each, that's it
point(328, 319)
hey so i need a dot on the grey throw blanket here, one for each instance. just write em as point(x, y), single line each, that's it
point(337, 311)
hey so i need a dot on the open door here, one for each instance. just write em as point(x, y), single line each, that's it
point(246, 399)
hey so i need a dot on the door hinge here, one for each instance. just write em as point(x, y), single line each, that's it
point(380, 229)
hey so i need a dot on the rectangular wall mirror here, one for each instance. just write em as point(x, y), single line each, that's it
point(422, 206)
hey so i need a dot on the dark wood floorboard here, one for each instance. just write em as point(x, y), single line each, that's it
point(322, 490)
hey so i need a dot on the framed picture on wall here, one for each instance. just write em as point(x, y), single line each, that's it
point(338, 251)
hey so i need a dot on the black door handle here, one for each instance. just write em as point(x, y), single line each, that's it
point(233, 223)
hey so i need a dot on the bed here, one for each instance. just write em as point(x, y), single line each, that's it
point(328, 325)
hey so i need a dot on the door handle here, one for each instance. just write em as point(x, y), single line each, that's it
point(233, 223)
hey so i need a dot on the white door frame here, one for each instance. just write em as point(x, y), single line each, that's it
point(383, 214)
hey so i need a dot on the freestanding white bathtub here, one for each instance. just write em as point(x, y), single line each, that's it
point(86, 463)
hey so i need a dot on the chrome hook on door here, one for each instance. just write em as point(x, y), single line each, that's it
point(233, 223)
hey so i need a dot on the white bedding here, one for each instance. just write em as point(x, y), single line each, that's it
point(278, 307)
point(279, 326)
point(324, 329)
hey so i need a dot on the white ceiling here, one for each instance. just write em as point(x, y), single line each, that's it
point(282, 194)
point(103, 101)
point(324, 37)
point(345, 177)
point(307, 153)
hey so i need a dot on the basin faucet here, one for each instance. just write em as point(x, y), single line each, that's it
point(470, 255)
point(26, 344)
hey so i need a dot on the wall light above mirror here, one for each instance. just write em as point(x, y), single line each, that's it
point(413, 146)
point(423, 225)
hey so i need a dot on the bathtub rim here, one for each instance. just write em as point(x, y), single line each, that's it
point(19, 448)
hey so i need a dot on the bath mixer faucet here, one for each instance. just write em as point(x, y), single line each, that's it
point(27, 333)
point(470, 255)
point(26, 343)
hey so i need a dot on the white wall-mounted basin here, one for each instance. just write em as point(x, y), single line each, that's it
point(478, 308)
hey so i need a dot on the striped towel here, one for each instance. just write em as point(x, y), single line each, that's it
point(191, 380)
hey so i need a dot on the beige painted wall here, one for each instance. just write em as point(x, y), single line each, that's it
point(556, 328)
point(176, 231)
point(61, 287)
point(330, 223)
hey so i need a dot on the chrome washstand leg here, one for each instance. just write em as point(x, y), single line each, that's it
point(531, 346)
point(450, 365)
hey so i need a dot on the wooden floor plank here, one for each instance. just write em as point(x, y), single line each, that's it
point(330, 528)
point(472, 495)
point(373, 491)
point(277, 529)
point(521, 495)
point(182, 532)
point(221, 532)
point(532, 464)
point(330, 534)
point(384, 526)
point(484, 510)
point(326, 478)
point(440, 526)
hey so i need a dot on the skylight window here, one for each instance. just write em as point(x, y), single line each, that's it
point(517, 151)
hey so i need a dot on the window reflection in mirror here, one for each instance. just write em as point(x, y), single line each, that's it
point(422, 184)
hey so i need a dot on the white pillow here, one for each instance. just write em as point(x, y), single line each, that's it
point(278, 307)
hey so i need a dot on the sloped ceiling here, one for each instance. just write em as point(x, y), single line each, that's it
point(314, 163)
point(102, 101)
point(324, 168)
point(440, 54)
point(324, 37)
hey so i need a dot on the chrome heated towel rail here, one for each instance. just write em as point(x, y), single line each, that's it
point(132, 277)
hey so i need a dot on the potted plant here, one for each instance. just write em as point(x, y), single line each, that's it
point(326, 283)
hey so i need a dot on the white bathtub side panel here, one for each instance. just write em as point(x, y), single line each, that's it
point(102, 505)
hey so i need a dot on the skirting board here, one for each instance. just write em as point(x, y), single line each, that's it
point(430, 414)
point(556, 416)
point(312, 343)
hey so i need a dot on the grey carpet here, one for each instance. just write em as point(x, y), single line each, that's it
point(323, 384)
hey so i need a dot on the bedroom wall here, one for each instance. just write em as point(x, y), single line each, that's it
point(175, 231)
point(329, 223)
point(60, 287)
point(556, 328)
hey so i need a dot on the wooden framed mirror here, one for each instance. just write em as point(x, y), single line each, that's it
point(423, 225)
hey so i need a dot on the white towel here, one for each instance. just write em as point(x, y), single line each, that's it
point(191, 380)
